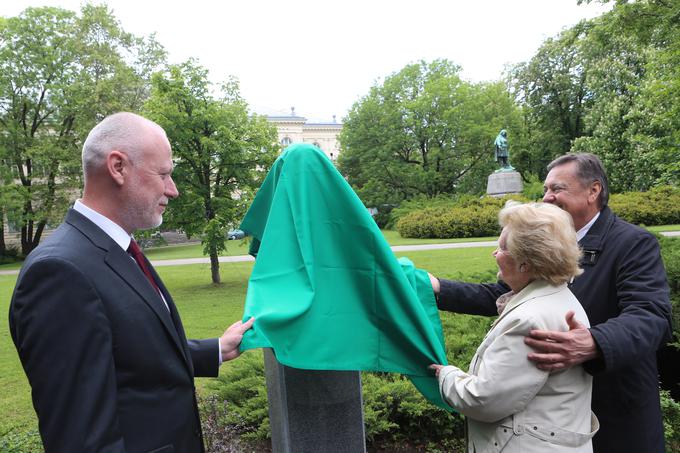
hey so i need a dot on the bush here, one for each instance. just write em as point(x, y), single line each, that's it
point(27, 441)
point(418, 203)
point(219, 435)
point(468, 218)
point(243, 388)
point(671, 421)
point(533, 190)
point(396, 415)
point(10, 255)
point(670, 252)
point(658, 206)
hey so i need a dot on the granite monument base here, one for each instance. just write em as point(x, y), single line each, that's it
point(504, 183)
point(314, 411)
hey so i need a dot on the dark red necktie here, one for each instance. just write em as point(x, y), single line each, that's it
point(137, 254)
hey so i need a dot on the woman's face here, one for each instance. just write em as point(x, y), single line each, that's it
point(508, 269)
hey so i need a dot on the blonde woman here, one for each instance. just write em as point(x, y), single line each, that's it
point(510, 404)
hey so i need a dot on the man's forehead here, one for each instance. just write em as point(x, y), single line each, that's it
point(561, 173)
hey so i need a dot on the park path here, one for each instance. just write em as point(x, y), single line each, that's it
point(396, 248)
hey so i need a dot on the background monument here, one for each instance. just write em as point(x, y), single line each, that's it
point(504, 180)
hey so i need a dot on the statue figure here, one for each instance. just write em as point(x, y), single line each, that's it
point(501, 152)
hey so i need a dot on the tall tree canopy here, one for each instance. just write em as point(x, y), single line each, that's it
point(610, 86)
point(424, 131)
point(221, 153)
point(59, 74)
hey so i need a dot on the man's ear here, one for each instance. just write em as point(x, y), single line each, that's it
point(594, 191)
point(117, 164)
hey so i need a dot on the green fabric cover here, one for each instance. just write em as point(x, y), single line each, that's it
point(326, 290)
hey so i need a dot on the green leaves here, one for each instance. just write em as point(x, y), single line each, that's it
point(60, 73)
point(221, 152)
point(609, 86)
point(423, 131)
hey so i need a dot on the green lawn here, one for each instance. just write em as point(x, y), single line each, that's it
point(206, 311)
point(240, 247)
point(171, 252)
point(659, 228)
point(235, 248)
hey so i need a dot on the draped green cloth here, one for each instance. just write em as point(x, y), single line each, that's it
point(326, 290)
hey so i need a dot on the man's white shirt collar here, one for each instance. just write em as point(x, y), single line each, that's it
point(580, 234)
point(109, 226)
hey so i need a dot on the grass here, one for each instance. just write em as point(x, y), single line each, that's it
point(658, 228)
point(206, 311)
point(171, 252)
point(240, 247)
point(235, 248)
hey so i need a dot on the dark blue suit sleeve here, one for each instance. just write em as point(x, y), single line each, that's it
point(64, 340)
point(470, 298)
point(644, 322)
point(205, 357)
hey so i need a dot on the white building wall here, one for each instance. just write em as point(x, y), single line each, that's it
point(296, 129)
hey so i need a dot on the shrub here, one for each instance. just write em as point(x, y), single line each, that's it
point(395, 414)
point(533, 189)
point(24, 441)
point(243, 387)
point(219, 435)
point(671, 421)
point(10, 255)
point(468, 218)
point(418, 203)
point(670, 252)
point(658, 206)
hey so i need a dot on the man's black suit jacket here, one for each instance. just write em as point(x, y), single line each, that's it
point(109, 365)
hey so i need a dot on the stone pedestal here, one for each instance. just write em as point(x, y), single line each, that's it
point(504, 183)
point(314, 411)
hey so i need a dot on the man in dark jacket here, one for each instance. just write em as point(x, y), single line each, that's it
point(97, 332)
point(624, 292)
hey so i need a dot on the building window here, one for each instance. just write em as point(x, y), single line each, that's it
point(286, 141)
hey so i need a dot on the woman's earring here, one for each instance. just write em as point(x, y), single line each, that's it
point(523, 267)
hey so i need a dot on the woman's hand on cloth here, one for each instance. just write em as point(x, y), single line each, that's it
point(436, 368)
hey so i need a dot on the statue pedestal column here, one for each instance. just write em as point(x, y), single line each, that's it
point(314, 411)
point(504, 183)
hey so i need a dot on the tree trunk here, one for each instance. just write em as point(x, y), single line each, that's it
point(3, 246)
point(214, 267)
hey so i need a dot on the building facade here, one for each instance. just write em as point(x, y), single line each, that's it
point(296, 129)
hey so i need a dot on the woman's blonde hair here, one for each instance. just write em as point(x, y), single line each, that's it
point(542, 235)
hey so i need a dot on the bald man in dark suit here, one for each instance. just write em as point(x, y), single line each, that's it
point(97, 332)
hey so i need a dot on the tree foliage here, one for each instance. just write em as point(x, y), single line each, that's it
point(221, 153)
point(610, 86)
point(423, 131)
point(59, 74)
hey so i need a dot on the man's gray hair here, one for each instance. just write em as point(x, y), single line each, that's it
point(121, 131)
point(589, 169)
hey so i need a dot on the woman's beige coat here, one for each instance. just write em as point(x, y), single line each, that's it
point(511, 405)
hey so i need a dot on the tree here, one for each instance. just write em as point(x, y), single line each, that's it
point(59, 74)
point(424, 131)
point(221, 153)
point(552, 90)
point(609, 86)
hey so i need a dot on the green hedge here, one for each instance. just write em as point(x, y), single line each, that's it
point(468, 218)
point(670, 252)
point(658, 206)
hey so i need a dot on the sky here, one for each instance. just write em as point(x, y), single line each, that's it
point(321, 57)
